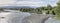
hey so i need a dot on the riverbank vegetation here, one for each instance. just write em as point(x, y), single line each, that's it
point(47, 9)
point(1, 9)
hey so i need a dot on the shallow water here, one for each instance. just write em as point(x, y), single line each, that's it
point(51, 20)
point(16, 17)
point(13, 16)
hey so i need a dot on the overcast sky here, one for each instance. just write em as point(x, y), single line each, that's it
point(27, 2)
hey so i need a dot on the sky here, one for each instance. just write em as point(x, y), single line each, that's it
point(35, 3)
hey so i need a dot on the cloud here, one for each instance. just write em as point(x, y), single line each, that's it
point(6, 2)
point(36, 2)
point(27, 2)
point(30, 3)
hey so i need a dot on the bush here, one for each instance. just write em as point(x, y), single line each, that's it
point(53, 13)
point(47, 12)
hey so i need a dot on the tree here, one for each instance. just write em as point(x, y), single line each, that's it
point(57, 11)
point(26, 9)
point(49, 7)
point(40, 9)
point(53, 13)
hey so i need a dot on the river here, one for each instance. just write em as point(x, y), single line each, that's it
point(15, 16)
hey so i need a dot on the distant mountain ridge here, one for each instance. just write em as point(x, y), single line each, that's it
point(16, 7)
